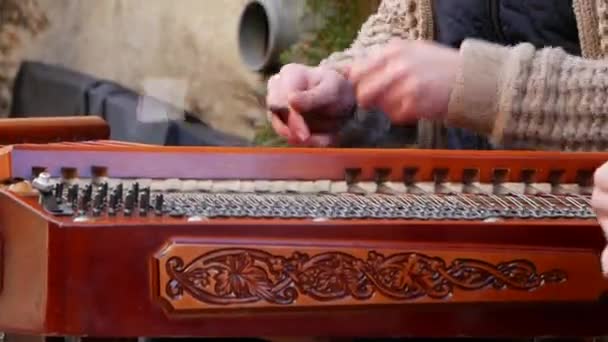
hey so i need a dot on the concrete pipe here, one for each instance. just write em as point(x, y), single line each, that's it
point(269, 27)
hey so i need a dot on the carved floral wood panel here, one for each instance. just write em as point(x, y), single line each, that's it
point(191, 277)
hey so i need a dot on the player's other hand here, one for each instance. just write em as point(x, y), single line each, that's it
point(407, 80)
point(599, 201)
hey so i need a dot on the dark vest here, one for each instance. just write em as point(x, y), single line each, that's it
point(542, 23)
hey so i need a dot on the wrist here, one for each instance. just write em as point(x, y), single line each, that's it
point(475, 95)
point(483, 94)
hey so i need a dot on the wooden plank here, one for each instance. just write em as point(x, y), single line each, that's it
point(5, 162)
point(112, 286)
point(305, 164)
point(52, 129)
point(23, 267)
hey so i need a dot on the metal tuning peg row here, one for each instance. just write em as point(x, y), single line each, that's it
point(113, 204)
point(129, 203)
point(144, 202)
point(98, 204)
point(59, 192)
point(158, 204)
point(43, 183)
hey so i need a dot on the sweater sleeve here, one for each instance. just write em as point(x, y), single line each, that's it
point(405, 19)
point(532, 99)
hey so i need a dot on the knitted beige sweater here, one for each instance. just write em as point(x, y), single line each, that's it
point(519, 96)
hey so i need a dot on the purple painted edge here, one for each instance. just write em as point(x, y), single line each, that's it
point(183, 165)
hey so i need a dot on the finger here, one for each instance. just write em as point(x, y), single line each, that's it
point(297, 126)
point(382, 82)
point(275, 93)
point(272, 81)
point(279, 112)
point(391, 101)
point(599, 200)
point(278, 117)
point(399, 104)
point(322, 140)
point(290, 79)
point(319, 96)
point(376, 60)
point(603, 220)
point(601, 177)
point(316, 140)
point(279, 126)
point(365, 67)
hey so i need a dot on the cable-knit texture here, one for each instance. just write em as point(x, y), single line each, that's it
point(561, 104)
point(532, 99)
point(588, 27)
point(602, 20)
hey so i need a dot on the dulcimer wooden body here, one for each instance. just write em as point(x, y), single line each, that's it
point(110, 239)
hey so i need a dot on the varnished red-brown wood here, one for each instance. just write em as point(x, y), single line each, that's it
point(5, 162)
point(127, 161)
point(105, 277)
point(100, 279)
point(328, 275)
point(24, 266)
point(52, 129)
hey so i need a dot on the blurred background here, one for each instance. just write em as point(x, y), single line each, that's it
point(183, 72)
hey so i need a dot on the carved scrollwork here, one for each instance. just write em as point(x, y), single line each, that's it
point(245, 276)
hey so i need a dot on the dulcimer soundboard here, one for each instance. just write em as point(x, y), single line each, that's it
point(104, 238)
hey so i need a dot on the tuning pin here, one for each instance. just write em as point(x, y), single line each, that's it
point(112, 204)
point(83, 204)
point(176, 213)
point(98, 204)
point(59, 192)
point(158, 204)
point(104, 190)
point(73, 195)
point(43, 183)
point(135, 189)
point(119, 190)
point(88, 192)
point(146, 192)
point(129, 203)
point(144, 203)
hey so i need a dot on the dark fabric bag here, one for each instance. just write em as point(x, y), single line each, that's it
point(43, 90)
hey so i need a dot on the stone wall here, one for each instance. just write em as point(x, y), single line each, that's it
point(183, 51)
point(19, 21)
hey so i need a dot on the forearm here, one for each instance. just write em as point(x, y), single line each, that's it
point(527, 98)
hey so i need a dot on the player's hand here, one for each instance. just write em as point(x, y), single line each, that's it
point(407, 80)
point(599, 201)
point(308, 105)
